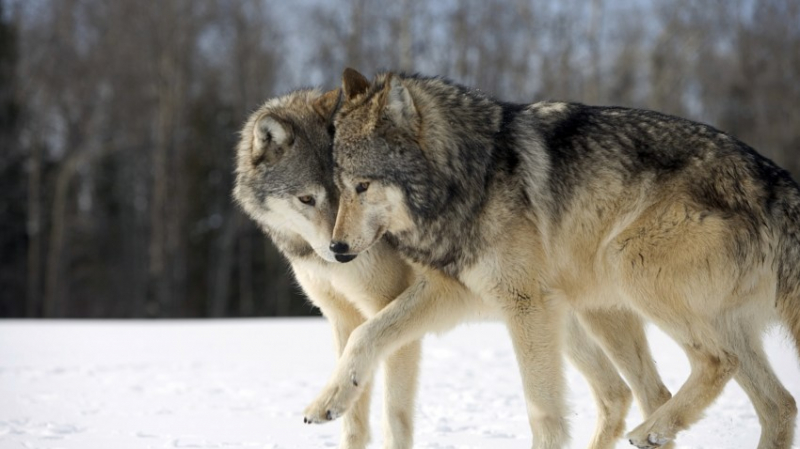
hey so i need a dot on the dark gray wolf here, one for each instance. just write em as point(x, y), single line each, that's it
point(284, 181)
point(547, 207)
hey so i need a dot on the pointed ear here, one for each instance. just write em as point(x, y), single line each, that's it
point(353, 83)
point(270, 139)
point(327, 104)
point(399, 104)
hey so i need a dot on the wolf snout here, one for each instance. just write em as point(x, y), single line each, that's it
point(340, 250)
point(339, 247)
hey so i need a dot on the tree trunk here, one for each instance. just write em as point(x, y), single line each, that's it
point(158, 291)
point(246, 294)
point(405, 39)
point(222, 267)
point(34, 226)
point(53, 292)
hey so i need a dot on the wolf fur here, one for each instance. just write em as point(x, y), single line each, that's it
point(551, 207)
point(284, 156)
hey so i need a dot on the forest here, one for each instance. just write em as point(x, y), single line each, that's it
point(118, 119)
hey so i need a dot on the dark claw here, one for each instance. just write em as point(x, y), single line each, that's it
point(329, 415)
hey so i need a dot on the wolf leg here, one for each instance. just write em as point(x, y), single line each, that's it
point(611, 393)
point(401, 370)
point(621, 335)
point(355, 423)
point(712, 366)
point(774, 405)
point(535, 331)
point(344, 318)
point(678, 267)
point(433, 302)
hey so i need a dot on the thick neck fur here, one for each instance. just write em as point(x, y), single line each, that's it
point(292, 246)
point(467, 150)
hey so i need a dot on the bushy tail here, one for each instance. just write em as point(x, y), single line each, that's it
point(788, 302)
point(789, 309)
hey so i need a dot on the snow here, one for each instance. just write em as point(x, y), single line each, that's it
point(244, 384)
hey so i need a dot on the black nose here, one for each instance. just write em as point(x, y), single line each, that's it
point(340, 247)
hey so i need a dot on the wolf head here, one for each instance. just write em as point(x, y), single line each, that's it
point(284, 171)
point(376, 149)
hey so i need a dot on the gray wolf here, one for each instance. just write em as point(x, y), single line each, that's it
point(539, 209)
point(284, 181)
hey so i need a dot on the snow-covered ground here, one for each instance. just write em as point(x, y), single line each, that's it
point(244, 383)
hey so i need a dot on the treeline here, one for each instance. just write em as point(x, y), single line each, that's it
point(118, 119)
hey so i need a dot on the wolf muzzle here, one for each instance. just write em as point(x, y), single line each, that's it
point(340, 250)
point(344, 258)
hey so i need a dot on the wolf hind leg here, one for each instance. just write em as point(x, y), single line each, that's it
point(775, 406)
point(712, 366)
point(611, 394)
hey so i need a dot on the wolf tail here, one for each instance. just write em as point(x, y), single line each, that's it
point(788, 267)
point(789, 310)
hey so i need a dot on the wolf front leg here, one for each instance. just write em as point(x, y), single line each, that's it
point(344, 318)
point(536, 327)
point(400, 379)
point(621, 334)
point(611, 394)
point(433, 302)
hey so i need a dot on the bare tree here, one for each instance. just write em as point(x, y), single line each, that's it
point(121, 117)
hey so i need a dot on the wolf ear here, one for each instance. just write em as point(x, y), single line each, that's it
point(327, 104)
point(399, 104)
point(353, 83)
point(270, 138)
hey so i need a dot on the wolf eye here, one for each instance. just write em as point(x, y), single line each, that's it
point(362, 187)
point(306, 199)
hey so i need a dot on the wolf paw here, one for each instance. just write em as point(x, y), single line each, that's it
point(332, 403)
point(651, 440)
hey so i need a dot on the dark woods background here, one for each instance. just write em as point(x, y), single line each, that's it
point(118, 118)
